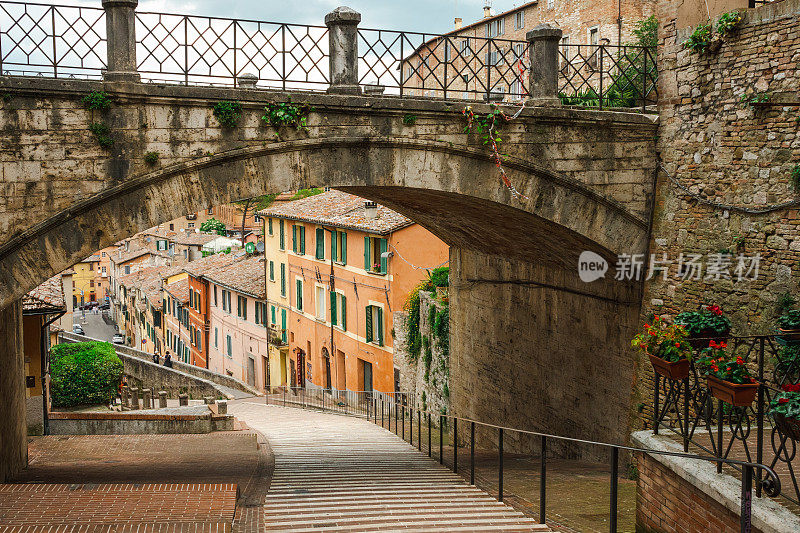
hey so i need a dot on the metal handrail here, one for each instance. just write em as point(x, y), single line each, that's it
point(770, 483)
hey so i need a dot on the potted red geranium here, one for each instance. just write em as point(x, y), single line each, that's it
point(667, 347)
point(727, 377)
point(707, 323)
point(785, 410)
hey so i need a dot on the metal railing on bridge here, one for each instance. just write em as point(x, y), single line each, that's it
point(71, 41)
point(430, 432)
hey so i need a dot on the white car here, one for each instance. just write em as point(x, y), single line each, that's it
point(77, 329)
point(118, 339)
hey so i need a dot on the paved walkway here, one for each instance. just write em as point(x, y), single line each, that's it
point(337, 473)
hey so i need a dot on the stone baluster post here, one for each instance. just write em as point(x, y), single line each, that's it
point(121, 43)
point(543, 43)
point(147, 398)
point(125, 395)
point(134, 398)
point(162, 399)
point(183, 399)
point(342, 25)
point(222, 407)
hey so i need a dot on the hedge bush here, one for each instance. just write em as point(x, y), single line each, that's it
point(84, 373)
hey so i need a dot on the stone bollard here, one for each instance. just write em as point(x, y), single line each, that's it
point(247, 81)
point(147, 398)
point(208, 400)
point(125, 396)
point(134, 398)
point(543, 41)
point(342, 25)
point(162, 399)
point(183, 399)
point(222, 407)
point(121, 40)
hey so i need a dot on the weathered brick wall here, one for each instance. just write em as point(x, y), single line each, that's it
point(728, 153)
point(665, 502)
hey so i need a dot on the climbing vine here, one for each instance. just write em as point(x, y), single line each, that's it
point(102, 133)
point(228, 113)
point(97, 101)
point(438, 277)
point(287, 114)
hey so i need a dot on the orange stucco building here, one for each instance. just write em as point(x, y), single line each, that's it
point(337, 268)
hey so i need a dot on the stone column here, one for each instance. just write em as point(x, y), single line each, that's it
point(342, 25)
point(147, 398)
point(121, 45)
point(13, 426)
point(543, 76)
point(134, 398)
point(124, 397)
point(183, 399)
point(222, 407)
point(162, 399)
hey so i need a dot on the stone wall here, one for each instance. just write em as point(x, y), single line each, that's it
point(13, 445)
point(431, 389)
point(728, 153)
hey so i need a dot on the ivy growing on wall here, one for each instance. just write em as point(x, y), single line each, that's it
point(439, 277)
point(228, 113)
point(287, 114)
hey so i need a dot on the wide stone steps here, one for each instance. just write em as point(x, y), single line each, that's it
point(342, 474)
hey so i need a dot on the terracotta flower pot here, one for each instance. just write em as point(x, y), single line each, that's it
point(732, 393)
point(789, 334)
point(788, 426)
point(678, 370)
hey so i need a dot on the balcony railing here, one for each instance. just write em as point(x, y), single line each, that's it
point(687, 409)
point(70, 41)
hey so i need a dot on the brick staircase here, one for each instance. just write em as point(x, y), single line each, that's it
point(340, 474)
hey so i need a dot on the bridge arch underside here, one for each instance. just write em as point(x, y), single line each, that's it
point(532, 346)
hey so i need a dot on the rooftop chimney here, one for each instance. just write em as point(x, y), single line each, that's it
point(371, 209)
point(459, 23)
point(487, 11)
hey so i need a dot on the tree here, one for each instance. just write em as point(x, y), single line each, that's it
point(212, 225)
point(84, 373)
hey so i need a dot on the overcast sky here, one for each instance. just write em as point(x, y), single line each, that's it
point(434, 16)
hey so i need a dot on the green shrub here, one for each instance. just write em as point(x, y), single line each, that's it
point(700, 39)
point(287, 114)
point(151, 158)
point(796, 177)
point(97, 100)
point(228, 113)
point(102, 133)
point(84, 373)
point(409, 119)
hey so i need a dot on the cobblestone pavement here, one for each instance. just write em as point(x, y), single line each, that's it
point(338, 473)
point(94, 324)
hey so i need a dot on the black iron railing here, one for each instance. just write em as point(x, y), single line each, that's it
point(687, 408)
point(418, 427)
point(67, 41)
point(607, 75)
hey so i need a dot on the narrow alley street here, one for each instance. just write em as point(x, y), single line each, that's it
point(337, 473)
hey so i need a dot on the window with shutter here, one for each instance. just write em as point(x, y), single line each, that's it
point(321, 243)
point(367, 255)
point(284, 333)
point(282, 235)
point(230, 347)
point(334, 246)
point(283, 280)
point(294, 238)
point(299, 295)
point(272, 315)
point(384, 260)
point(269, 223)
point(216, 338)
point(302, 231)
point(333, 308)
point(369, 323)
point(343, 247)
point(343, 312)
point(379, 325)
point(272, 271)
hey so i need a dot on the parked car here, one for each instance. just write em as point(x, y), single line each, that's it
point(118, 339)
point(77, 329)
point(105, 306)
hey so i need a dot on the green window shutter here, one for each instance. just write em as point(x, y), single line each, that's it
point(379, 327)
point(272, 271)
point(320, 243)
point(298, 300)
point(333, 308)
point(384, 260)
point(283, 279)
point(283, 235)
point(272, 314)
point(269, 221)
point(302, 240)
point(216, 338)
point(369, 323)
point(343, 255)
point(294, 238)
point(334, 250)
point(244, 308)
point(343, 312)
point(283, 325)
point(230, 346)
point(367, 265)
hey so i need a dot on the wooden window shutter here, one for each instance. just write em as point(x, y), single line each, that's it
point(369, 323)
point(294, 238)
point(367, 264)
point(333, 308)
point(343, 312)
point(334, 249)
point(283, 235)
point(384, 260)
point(343, 254)
point(299, 296)
point(379, 326)
point(302, 240)
point(321, 243)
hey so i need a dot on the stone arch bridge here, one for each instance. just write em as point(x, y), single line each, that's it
point(532, 345)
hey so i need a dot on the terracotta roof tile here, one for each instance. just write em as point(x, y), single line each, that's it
point(202, 266)
point(148, 280)
point(194, 238)
point(48, 295)
point(245, 274)
point(178, 290)
point(339, 209)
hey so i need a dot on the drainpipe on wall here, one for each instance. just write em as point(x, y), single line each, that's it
point(43, 364)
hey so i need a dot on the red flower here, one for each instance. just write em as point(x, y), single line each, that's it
point(712, 343)
point(715, 368)
point(647, 326)
point(714, 309)
point(783, 400)
point(739, 361)
point(728, 369)
point(791, 387)
point(653, 333)
point(677, 345)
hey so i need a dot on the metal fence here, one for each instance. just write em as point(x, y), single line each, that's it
point(448, 439)
point(70, 41)
point(687, 408)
